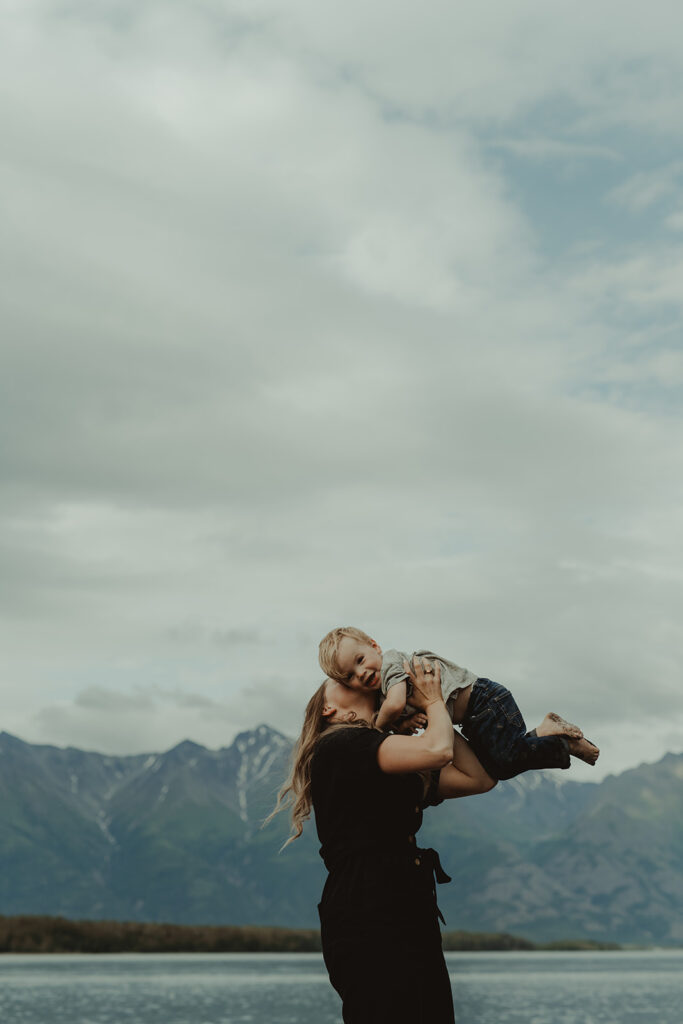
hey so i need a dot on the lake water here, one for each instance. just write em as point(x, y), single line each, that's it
point(488, 988)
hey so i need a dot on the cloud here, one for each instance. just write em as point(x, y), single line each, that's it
point(288, 345)
point(548, 149)
point(152, 719)
point(99, 699)
point(498, 62)
point(647, 188)
point(193, 633)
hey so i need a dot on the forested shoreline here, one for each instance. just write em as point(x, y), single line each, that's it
point(37, 934)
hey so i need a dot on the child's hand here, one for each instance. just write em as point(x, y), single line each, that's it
point(411, 724)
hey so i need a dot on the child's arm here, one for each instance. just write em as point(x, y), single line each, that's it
point(393, 705)
point(408, 725)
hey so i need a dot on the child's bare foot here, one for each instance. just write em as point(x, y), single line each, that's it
point(583, 749)
point(553, 725)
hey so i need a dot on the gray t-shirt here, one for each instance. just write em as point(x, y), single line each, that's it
point(453, 677)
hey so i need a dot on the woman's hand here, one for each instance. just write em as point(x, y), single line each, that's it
point(434, 748)
point(426, 679)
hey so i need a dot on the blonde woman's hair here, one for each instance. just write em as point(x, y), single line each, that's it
point(296, 791)
point(329, 648)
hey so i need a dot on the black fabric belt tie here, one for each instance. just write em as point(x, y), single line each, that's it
point(390, 851)
point(431, 858)
point(428, 859)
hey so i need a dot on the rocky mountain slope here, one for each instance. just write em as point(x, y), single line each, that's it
point(176, 837)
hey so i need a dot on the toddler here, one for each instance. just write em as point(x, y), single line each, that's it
point(486, 712)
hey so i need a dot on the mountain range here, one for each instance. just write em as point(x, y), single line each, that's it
point(176, 837)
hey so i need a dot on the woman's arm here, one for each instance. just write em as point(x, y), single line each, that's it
point(434, 748)
point(465, 776)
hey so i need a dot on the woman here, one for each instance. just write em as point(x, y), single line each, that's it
point(378, 913)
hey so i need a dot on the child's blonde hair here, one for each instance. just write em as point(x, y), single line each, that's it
point(329, 647)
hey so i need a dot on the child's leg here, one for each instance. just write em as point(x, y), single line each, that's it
point(494, 726)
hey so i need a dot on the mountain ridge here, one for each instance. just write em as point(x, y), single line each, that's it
point(175, 836)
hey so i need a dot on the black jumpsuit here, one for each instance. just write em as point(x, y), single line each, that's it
point(378, 914)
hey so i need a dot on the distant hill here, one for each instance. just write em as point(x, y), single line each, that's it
point(176, 837)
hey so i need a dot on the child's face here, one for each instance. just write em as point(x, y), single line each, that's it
point(359, 663)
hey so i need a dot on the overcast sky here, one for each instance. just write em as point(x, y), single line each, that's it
point(320, 314)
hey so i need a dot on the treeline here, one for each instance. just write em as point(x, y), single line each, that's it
point(500, 941)
point(30, 934)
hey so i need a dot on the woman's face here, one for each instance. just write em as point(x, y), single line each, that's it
point(345, 705)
